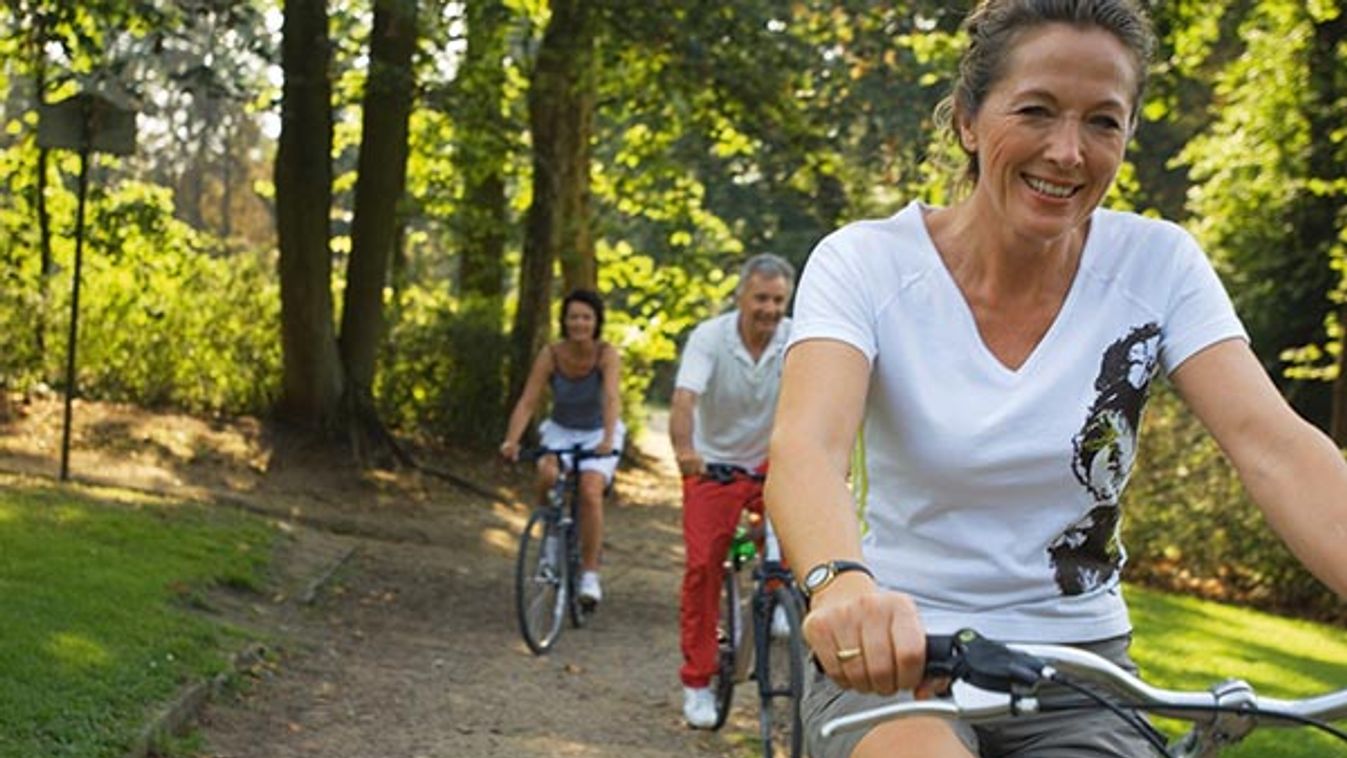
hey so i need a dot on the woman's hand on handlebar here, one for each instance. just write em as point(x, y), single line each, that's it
point(877, 632)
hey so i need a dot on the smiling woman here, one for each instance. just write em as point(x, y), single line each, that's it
point(996, 355)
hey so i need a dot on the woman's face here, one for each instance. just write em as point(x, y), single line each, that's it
point(1052, 130)
point(580, 320)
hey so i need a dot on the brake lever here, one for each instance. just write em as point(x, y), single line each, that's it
point(985, 664)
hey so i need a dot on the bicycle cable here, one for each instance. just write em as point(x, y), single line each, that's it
point(1141, 726)
point(1244, 710)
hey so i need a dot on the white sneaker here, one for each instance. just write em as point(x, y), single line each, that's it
point(780, 624)
point(590, 590)
point(699, 707)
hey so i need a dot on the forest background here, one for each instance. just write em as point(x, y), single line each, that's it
point(355, 217)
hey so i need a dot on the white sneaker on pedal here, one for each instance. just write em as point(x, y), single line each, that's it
point(780, 624)
point(699, 707)
point(590, 590)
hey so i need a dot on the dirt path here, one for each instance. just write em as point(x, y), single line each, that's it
point(412, 651)
point(409, 649)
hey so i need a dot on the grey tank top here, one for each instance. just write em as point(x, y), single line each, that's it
point(577, 403)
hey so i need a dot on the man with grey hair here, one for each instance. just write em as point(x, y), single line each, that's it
point(723, 402)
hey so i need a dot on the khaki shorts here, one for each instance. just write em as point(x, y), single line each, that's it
point(1066, 734)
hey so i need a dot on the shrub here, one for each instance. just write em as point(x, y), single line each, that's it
point(1190, 526)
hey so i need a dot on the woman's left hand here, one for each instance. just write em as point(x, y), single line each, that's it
point(604, 447)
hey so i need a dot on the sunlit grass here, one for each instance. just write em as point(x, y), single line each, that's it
point(94, 630)
point(1183, 643)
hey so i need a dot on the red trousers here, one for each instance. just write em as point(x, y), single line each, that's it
point(711, 512)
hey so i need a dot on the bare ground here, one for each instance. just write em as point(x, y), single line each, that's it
point(392, 622)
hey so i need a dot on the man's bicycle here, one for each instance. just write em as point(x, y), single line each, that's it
point(747, 645)
point(1004, 681)
point(547, 570)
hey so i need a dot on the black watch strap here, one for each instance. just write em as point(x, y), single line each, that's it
point(822, 575)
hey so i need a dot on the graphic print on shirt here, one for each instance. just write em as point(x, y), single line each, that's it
point(1088, 555)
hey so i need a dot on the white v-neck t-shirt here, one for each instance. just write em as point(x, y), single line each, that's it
point(993, 492)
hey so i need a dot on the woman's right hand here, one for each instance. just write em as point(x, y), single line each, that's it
point(878, 633)
point(509, 451)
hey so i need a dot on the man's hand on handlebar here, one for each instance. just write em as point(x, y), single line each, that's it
point(690, 463)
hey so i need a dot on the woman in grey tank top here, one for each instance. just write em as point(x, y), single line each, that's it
point(584, 374)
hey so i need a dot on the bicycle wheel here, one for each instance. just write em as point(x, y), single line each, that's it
point(780, 675)
point(729, 638)
point(580, 612)
point(542, 581)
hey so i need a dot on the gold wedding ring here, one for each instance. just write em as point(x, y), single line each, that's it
point(845, 655)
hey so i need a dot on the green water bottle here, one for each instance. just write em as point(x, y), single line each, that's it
point(742, 548)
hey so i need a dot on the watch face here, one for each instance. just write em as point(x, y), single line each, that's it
point(816, 577)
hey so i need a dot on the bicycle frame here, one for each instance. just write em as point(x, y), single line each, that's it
point(558, 515)
point(1221, 716)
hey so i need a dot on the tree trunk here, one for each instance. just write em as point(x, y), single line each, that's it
point(481, 222)
point(381, 181)
point(483, 150)
point(312, 376)
point(36, 41)
point(561, 103)
point(1321, 225)
point(227, 183)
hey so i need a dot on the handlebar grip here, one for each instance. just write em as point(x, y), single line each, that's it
point(940, 655)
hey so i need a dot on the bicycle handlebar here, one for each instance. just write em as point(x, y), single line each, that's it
point(578, 453)
point(1017, 670)
point(725, 473)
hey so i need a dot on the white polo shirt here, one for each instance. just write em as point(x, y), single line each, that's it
point(736, 396)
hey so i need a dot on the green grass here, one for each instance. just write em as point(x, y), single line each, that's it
point(95, 626)
point(1182, 643)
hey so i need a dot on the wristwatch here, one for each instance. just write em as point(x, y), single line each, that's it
point(823, 575)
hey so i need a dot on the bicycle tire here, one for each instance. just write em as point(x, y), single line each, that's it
point(542, 583)
point(729, 640)
point(780, 675)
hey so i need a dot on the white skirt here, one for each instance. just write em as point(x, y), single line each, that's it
point(556, 436)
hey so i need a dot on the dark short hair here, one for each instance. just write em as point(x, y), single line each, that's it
point(993, 29)
point(588, 297)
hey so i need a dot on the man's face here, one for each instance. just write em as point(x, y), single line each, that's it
point(762, 304)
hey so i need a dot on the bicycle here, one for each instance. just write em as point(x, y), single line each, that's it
point(1004, 681)
point(547, 569)
point(745, 637)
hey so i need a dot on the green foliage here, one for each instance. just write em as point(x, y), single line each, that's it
point(1259, 196)
point(164, 319)
point(1190, 525)
point(649, 308)
point(431, 379)
point(94, 626)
